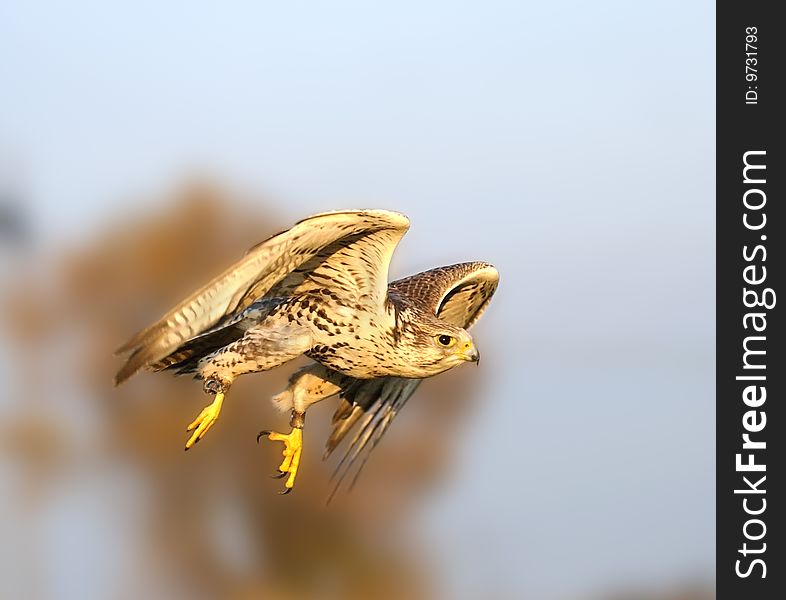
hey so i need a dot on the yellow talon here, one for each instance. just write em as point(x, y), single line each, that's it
point(293, 447)
point(205, 420)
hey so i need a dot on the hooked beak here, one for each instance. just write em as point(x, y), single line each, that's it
point(469, 353)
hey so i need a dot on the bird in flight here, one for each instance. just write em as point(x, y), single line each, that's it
point(321, 289)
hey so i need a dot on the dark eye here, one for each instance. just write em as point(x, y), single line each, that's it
point(445, 340)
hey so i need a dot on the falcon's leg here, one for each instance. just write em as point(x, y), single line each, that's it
point(293, 448)
point(306, 387)
point(209, 414)
point(261, 348)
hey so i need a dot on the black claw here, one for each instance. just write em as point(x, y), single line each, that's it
point(278, 474)
point(261, 433)
point(285, 492)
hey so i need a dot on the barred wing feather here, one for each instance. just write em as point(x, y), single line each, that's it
point(285, 263)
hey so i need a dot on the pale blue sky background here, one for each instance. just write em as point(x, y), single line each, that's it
point(570, 143)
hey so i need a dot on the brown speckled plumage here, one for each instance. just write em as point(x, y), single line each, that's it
point(320, 289)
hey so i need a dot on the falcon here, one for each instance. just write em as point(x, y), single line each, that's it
point(321, 289)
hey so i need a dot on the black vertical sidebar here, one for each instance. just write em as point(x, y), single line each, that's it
point(751, 302)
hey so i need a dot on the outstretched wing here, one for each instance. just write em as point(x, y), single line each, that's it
point(345, 252)
point(458, 294)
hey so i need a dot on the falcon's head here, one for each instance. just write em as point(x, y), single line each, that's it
point(439, 346)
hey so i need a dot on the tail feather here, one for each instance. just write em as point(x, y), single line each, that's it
point(200, 346)
point(142, 338)
point(184, 358)
point(139, 358)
